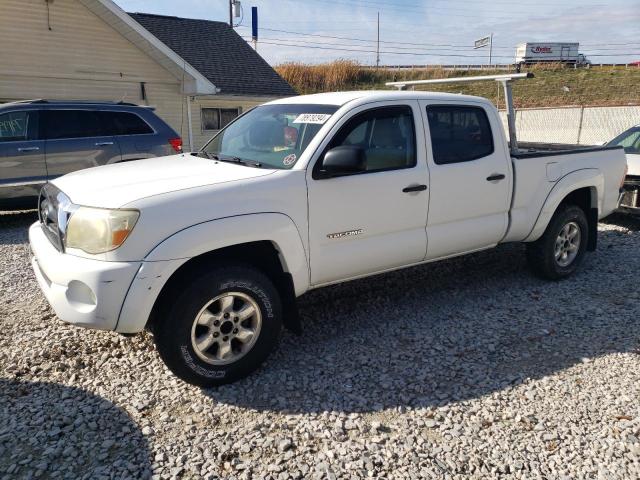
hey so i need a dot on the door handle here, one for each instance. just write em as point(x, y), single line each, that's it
point(103, 144)
point(495, 176)
point(28, 149)
point(414, 188)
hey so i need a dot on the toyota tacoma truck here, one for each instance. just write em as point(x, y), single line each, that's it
point(209, 253)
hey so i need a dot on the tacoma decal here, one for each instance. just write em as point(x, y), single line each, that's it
point(348, 233)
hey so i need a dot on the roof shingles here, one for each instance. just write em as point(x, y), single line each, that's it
point(218, 53)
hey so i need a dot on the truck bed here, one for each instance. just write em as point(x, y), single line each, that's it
point(537, 171)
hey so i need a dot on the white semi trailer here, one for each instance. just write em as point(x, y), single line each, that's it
point(528, 53)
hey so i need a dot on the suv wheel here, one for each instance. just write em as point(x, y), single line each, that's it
point(221, 327)
point(561, 249)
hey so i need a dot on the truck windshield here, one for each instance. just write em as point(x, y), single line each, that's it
point(274, 136)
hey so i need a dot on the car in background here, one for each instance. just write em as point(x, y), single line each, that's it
point(43, 139)
point(630, 141)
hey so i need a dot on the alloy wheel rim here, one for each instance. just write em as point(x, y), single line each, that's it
point(567, 244)
point(226, 328)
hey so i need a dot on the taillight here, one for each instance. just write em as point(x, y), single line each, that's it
point(176, 143)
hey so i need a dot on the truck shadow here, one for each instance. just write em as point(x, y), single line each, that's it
point(446, 332)
point(58, 429)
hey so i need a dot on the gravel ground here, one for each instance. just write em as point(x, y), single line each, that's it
point(468, 368)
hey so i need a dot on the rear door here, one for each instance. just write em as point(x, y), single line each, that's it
point(470, 179)
point(22, 165)
point(76, 139)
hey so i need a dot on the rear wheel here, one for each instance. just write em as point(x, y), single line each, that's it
point(221, 326)
point(561, 249)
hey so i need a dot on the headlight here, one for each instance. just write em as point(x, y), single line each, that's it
point(97, 230)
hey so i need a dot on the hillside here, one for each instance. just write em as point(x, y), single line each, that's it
point(553, 85)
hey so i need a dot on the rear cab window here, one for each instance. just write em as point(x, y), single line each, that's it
point(459, 133)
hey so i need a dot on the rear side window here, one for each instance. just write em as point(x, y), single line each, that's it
point(18, 126)
point(459, 134)
point(387, 135)
point(124, 123)
point(72, 124)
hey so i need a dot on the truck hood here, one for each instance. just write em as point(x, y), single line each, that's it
point(113, 186)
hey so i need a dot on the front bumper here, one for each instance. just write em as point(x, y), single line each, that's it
point(85, 292)
point(630, 196)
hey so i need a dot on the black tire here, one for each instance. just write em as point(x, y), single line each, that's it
point(541, 254)
point(173, 327)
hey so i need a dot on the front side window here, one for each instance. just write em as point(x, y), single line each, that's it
point(72, 124)
point(18, 126)
point(459, 134)
point(218, 118)
point(274, 136)
point(630, 140)
point(387, 136)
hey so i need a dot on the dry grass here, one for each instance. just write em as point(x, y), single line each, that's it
point(553, 85)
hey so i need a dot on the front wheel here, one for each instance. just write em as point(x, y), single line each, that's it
point(562, 247)
point(220, 327)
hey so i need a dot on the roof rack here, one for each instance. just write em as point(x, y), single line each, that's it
point(77, 102)
point(505, 79)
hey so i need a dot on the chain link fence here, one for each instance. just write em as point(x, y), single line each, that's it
point(573, 125)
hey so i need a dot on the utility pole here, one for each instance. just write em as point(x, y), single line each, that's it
point(231, 13)
point(490, 47)
point(378, 47)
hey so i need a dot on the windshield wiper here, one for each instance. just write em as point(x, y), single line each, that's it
point(231, 159)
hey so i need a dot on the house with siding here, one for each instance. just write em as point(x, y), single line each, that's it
point(198, 74)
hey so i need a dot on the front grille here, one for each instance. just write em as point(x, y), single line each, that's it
point(53, 212)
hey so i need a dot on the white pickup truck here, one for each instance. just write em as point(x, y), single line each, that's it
point(210, 250)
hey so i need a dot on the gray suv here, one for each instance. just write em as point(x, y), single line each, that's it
point(41, 140)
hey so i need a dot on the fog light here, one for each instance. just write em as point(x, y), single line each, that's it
point(81, 297)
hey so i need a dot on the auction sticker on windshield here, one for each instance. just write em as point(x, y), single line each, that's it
point(290, 159)
point(318, 118)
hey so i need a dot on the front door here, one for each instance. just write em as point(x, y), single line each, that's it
point(22, 166)
point(375, 220)
point(76, 139)
point(470, 172)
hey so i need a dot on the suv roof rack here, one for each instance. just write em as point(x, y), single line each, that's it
point(78, 102)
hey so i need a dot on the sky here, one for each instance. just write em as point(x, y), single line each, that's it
point(419, 32)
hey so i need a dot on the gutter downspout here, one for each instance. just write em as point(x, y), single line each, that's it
point(189, 124)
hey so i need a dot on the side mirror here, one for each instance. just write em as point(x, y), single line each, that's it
point(344, 160)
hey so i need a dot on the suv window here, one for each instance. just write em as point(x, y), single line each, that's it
point(72, 124)
point(124, 123)
point(459, 134)
point(18, 126)
point(386, 134)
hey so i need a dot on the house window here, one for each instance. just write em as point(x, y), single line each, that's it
point(218, 118)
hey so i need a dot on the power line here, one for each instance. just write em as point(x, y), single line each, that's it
point(388, 52)
point(336, 37)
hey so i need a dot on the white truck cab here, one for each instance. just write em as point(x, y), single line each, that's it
point(211, 251)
